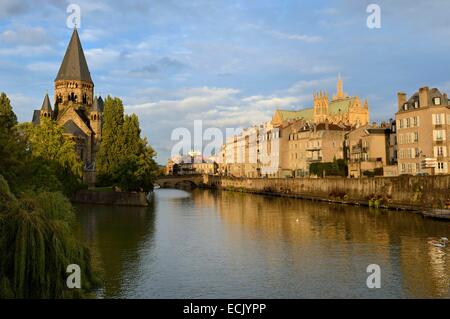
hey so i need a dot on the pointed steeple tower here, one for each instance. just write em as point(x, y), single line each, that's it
point(340, 94)
point(74, 65)
point(46, 108)
point(73, 83)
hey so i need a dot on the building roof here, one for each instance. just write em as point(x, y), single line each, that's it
point(306, 114)
point(101, 104)
point(71, 128)
point(341, 105)
point(74, 65)
point(46, 106)
point(96, 105)
point(36, 117)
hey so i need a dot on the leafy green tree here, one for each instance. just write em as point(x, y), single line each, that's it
point(55, 161)
point(37, 244)
point(7, 117)
point(37, 241)
point(13, 152)
point(124, 158)
point(106, 159)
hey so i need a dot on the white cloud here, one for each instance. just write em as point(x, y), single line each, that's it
point(25, 36)
point(296, 37)
point(43, 67)
point(99, 58)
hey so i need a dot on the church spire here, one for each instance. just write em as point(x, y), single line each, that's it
point(340, 88)
point(46, 105)
point(74, 65)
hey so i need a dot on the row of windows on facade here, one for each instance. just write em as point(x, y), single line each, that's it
point(435, 101)
point(438, 151)
point(437, 119)
point(411, 168)
point(309, 155)
point(408, 138)
point(72, 97)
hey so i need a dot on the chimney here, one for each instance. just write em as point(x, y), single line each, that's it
point(401, 98)
point(424, 96)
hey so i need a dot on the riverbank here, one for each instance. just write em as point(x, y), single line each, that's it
point(110, 197)
point(420, 194)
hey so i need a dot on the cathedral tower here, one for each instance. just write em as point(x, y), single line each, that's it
point(73, 84)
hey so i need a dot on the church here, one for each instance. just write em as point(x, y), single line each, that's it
point(75, 107)
point(341, 109)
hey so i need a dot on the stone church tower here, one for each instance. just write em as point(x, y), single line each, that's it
point(76, 108)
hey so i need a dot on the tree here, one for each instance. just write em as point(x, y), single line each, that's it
point(53, 155)
point(124, 158)
point(13, 153)
point(37, 245)
point(37, 241)
point(7, 117)
point(106, 160)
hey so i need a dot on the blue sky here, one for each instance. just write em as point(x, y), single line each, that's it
point(229, 63)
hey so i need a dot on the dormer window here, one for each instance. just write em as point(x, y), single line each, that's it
point(437, 101)
point(405, 107)
point(416, 104)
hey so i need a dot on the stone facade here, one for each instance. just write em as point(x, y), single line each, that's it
point(423, 128)
point(367, 149)
point(312, 143)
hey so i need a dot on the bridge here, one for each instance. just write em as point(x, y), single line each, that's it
point(180, 181)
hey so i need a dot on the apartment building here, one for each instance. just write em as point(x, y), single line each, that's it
point(312, 143)
point(423, 126)
point(367, 150)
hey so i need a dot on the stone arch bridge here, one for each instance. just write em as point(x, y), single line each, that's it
point(180, 181)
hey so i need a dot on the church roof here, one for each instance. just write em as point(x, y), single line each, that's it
point(46, 106)
point(96, 105)
point(36, 117)
point(285, 115)
point(101, 104)
point(71, 128)
point(74, 65)
point(341, 105)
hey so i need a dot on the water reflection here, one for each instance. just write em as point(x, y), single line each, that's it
point(232, 245)
point(116, 236)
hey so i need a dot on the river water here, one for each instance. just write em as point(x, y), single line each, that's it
point(212, 244)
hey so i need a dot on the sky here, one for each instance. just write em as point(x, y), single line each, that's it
point(228, 63)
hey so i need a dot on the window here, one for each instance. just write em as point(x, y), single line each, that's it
point(438, 119)
point(437, 101)
point(416, 137)
point(417, 151)
point(440, 151)
point(416, 104)
point(415, 121)
point(408, 122)
point(405, 106)
point(439, 135)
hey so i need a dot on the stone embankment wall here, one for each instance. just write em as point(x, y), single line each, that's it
point(110, 198)
point(407, 192)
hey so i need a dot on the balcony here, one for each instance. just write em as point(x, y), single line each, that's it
point(314, 159)
point(313, 148)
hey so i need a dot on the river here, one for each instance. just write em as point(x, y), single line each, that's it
point(212, 244)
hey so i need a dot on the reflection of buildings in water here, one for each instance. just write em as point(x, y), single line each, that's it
point(305, 228)
point(440, 272)
point(425, 268)
point(116, 236)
